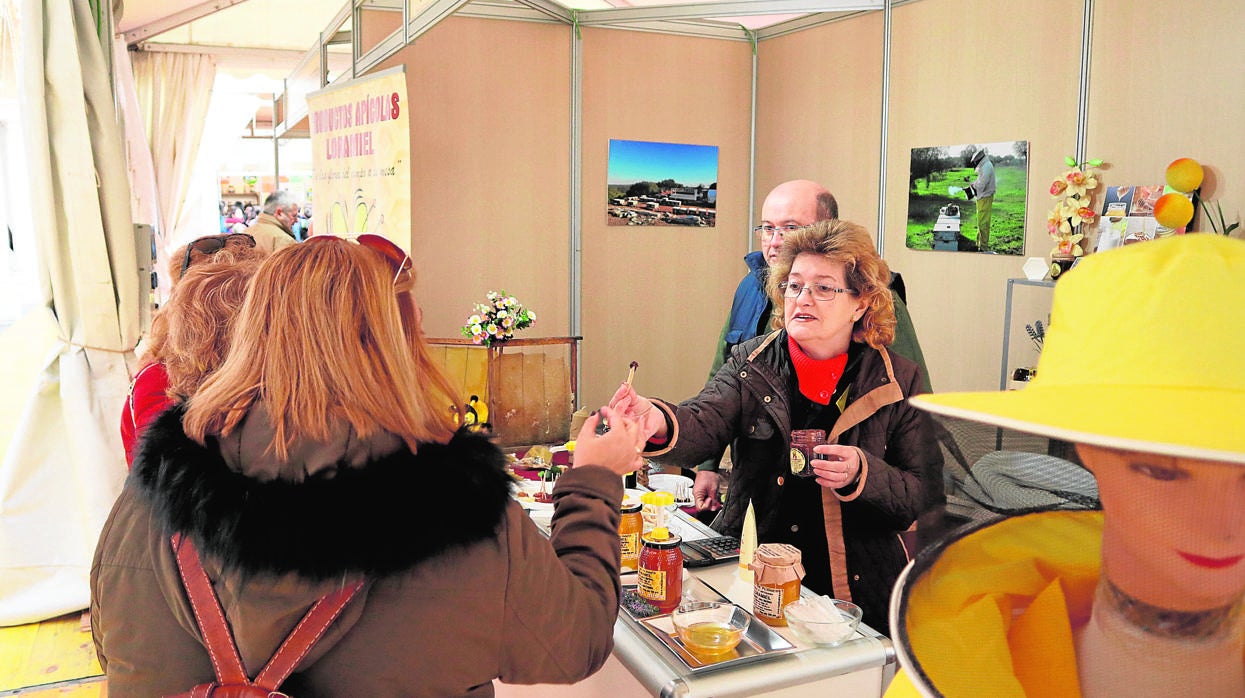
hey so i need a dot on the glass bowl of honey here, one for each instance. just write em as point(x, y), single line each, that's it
point(709, 629)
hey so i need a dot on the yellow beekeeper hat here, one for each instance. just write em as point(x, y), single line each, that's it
point(1145, 352)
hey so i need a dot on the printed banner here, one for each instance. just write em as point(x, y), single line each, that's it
point(360, 155)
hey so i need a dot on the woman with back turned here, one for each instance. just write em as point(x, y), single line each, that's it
point(321, 454)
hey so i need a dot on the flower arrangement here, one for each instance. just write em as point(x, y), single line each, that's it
point(1073, 192)
point(497, 319)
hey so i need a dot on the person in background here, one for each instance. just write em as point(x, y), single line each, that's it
point(273, 228)
point(322, 453)
point(190, 333)
point(1146, 597)
point(788, 206)
point(828, 367)
point(302, 225)
point(982, 192)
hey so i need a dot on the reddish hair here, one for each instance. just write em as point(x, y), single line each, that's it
point(328, 338)
point(868, 275)
point(190, 333)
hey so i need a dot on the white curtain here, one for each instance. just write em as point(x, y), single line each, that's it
point(173, 92)
point(64, 464)
point(144, 204)
point(227, 116)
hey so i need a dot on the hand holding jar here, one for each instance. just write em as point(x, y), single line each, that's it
point(836, 466)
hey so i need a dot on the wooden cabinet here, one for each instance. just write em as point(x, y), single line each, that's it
point(528, 386)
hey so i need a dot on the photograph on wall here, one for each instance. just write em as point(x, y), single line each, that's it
point(969, 197)
point(651, 183)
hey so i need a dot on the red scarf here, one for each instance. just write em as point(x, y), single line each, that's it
point(817, 378)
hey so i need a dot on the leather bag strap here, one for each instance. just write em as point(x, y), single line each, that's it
point(226, 661)
point(305, 636)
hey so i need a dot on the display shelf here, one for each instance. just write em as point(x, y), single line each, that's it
point(1005, 369)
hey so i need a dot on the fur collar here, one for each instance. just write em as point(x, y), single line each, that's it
point(387, 516)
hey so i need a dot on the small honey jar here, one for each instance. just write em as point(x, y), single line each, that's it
point(661, 570)
point(778, 570)
point(629, 528)
point(802, 443)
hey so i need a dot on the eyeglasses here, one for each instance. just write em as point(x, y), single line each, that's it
point(209, 245)
point(399, 261)
point(819, 292)
point(768, 231)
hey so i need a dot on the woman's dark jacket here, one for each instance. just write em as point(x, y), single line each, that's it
point(463, 587)
point(748, 404)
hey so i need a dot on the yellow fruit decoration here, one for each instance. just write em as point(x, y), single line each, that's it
point(1173, 210)
point(1184, 175)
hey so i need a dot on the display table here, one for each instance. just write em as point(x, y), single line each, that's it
point(642, 666)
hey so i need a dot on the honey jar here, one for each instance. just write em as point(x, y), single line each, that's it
point(778, 570)
point(802, 443)
point(661, 570)
point(629, 528)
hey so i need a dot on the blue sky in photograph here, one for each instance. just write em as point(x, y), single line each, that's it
point(633, 161)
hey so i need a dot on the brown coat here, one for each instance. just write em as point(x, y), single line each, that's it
point(464, 588)
point(747, 404)
point(269, 234)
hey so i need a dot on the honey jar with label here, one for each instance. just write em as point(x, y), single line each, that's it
point(802, 456)
point(661, 570)
point(777, 570)
point(629, 529)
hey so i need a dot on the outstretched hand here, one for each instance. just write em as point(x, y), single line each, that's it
point(617, 449)
point(631, 404)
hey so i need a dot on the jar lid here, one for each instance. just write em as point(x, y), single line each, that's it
point(670, 541)
point(777, 554)
point(630, 506)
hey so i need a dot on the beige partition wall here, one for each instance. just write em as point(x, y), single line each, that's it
point(659, 295)
point(490, 196)
point(819, 113)
point(1168, 82)
point(973, 71)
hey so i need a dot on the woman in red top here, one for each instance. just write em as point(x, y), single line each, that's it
point(190, 334)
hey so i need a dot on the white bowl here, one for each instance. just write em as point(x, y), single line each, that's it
point(678, 485)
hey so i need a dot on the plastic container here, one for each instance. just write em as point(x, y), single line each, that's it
point(656, 509)
point(802, 443)
point(778, 570)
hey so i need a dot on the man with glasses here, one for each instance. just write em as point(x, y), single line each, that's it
point(274, 228)
point(789, 206)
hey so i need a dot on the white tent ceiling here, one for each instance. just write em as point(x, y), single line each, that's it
point(295, 25)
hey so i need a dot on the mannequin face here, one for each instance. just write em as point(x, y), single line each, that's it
point(1174, 533)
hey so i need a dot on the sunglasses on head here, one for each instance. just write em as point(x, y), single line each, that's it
point(398, 260)
point(209, 245)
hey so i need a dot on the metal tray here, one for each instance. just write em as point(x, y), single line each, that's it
point(759, 641)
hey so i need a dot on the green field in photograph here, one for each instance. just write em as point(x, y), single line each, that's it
point(1007, 230)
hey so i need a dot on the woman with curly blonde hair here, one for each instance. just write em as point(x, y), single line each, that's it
point(322, 455)
point(827, 367)
point(190, 334)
